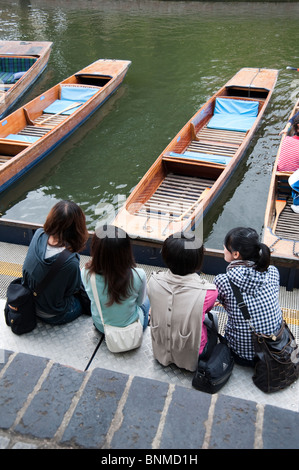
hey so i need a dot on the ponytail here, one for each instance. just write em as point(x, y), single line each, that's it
point(264, 258)
point(246, 242)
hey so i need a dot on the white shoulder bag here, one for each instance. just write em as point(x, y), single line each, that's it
point(118, 339)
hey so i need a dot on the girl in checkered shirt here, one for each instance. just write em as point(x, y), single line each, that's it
point(249, 268)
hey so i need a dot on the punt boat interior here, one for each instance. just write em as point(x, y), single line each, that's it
point(21, 63)
point(31, 132)
point(190, 173)
point(281, 224)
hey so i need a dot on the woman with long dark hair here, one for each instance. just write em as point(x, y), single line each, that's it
point(249, 269)
point(64, 227)
point(121, 286)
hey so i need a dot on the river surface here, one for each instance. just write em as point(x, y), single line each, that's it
point(181, 53)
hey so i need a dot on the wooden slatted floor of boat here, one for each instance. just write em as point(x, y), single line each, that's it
point(38, 129)
point(175, 195)
point(288, 223)
point(217, 142)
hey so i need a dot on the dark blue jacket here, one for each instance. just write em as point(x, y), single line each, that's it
point(56, 297)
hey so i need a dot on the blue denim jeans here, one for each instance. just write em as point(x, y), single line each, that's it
point(74, 312)
point(145, 308)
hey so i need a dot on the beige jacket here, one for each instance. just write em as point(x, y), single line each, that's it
point(176, 317)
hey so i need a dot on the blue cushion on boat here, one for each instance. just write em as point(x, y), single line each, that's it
point(222, 159)
point(6, 77)
point(22, 138)
point(69, 96)
point(77, 93)
point(233, 115)
point(59, 106)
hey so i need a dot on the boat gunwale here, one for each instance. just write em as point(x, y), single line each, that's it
point(272, 195)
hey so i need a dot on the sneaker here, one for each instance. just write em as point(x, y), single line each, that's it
point(295, 208)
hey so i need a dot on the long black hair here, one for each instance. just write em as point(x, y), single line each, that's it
point(246, 242)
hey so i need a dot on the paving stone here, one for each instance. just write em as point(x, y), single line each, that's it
point(184, 426)
point(95, 410)
point(47, 409)
point(17, 382)
point(4, 442)
point(233, 424)
point(24, 445)
point(142, 413)
point(4, 356)
point(280, 428)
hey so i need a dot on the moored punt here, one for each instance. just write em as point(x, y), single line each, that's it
point(190, 173)
point(281, 224)
point(21, 63)
point(30, 133)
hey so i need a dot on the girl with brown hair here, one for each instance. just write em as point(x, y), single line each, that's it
point(64, 228)
point(121, 286)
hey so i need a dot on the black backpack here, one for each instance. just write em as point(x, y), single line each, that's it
point(19, 310)
point(215, 363)
point(213, 372)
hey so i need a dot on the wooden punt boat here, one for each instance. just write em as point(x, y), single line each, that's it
point(21, 63)
point(190, 173)
point(30, 133)
point(281, 224)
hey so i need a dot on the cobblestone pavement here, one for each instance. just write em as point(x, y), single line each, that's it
point(46, 405)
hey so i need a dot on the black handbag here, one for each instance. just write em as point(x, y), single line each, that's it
point(215, 364)
point(276, 355)
point(19, 310)
point(84, 300)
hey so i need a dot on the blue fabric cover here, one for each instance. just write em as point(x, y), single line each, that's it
point(233, 115)
point(22, 138)
point(222, 159)
point(60, 105)
point(69, 95)
point(77, 93)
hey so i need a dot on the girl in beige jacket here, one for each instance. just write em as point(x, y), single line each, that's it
point(179, 300)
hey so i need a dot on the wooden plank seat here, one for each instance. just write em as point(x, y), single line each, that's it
point(175, 195)
point(219, 159)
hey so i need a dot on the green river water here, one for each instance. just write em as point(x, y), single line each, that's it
point(181, 53)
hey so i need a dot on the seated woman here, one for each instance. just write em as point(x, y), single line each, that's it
point(249, 269)
point(121, 286)
point(64, 228)
point(288, 159)
point(179, 300)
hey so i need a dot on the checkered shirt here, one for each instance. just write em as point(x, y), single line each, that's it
point(261, 294)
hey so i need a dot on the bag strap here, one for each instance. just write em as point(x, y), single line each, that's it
point(96, 296)
point(63, 256)
point(240, 301)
